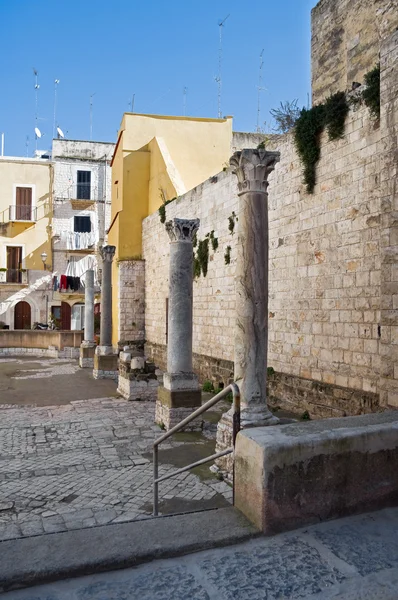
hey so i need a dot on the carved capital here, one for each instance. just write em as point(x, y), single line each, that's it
point(252, 168)
point(107, 253)
point(182, 230)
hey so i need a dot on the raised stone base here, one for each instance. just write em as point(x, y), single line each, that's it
point(174, 406)
point(290, 476)
point(87, 352)
point(105, 365)
point(133, 389)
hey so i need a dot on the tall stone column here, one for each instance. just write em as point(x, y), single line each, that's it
point(252, 168)
point(87, 348)
point(180, 393)
point(105, 360)
point(107, 254)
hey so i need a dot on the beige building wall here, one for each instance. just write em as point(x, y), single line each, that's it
point(33, 237)
point(346, 40)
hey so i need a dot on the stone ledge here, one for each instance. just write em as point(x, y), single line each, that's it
point(288, 476)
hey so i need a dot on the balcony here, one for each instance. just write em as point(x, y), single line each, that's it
point(19, 276)
point(17, 213)
point(79, 194)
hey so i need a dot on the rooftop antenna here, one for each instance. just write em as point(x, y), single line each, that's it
point(132, 102)
point(218, 78)
point(260, 88)
point(184, 100)
point(27, 146)
point(91, 115)
point(37, 87)
point(56, 82)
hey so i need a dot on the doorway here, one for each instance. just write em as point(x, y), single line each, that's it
point(22, 316)
point(65, 316)
point(14, 264)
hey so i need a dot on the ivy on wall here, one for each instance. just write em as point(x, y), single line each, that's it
point(162, 210)
point(309, 126)
point(371, 94)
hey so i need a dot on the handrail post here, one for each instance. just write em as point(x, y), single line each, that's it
point(155, 483)
point(235, 430)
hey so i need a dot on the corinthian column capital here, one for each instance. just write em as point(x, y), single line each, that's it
point(252, 168)
point(182, 230)
point(107, 253)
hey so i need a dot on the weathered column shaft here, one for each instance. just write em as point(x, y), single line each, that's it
point(180, 393)
point(89, 307)
point(179, 347)
point(251, 332)
point(107, 253)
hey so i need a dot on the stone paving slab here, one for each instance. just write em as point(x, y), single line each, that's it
point(344, 559)
point(89, 462)
point(50, 557)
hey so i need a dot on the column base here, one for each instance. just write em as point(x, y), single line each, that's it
point(105, 363)
point(87, 352)
point(174, 406)
point(249, 418)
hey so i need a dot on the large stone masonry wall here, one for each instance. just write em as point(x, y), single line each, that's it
point(389, 221)
point(324, 312)
point(346, 38)
point(333, 268)
point(131, 301)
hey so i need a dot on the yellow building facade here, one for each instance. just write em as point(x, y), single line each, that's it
point(25, 236)
point(156, 159)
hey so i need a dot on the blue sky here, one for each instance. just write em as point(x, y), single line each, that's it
point(152, 49)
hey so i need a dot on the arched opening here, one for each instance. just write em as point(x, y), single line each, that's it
point(65, 316)
point(22, 315)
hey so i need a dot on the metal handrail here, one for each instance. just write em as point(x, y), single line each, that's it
point(231, 388)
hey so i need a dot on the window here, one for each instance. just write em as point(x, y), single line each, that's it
point(77, 321)
point(83, 191)
point(23, 201)
point(82, 224)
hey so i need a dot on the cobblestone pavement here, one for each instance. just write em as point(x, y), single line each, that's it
point(349, 559)
point(88, 463)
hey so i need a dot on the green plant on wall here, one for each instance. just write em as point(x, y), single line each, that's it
point(202, 256)
point(231, 222)
point(162, 210)
point(371, 94)
point(227, 255)
point(213, 240)
point(308, 129)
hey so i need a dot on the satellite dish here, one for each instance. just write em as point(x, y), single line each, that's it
point(37, 132)
point(60, 132)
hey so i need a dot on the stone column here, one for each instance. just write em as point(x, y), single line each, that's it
point(180, 393)
point(87, 348)
point(105, 360)
point(107, 254)
point(252, 168)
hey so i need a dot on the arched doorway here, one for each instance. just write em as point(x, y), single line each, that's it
point(65, 316)
point(22, 316)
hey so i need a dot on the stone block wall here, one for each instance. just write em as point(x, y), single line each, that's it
point(389, 222)
point(131, 301)
point(333, 275)
point(345, 44)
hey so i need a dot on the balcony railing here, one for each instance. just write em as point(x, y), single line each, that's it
point(20, 213)
point(78, 191)
point(13, 276)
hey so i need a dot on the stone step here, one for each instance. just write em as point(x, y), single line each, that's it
point(39, 559)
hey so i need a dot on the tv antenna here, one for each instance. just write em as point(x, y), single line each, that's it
point(91, 115)
point(218, 78)
point(131, 103)
point(60, 133)
point(260, 89)
point(56, 82)
point(184, 100)
point(37, 87)
point(27, 146)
